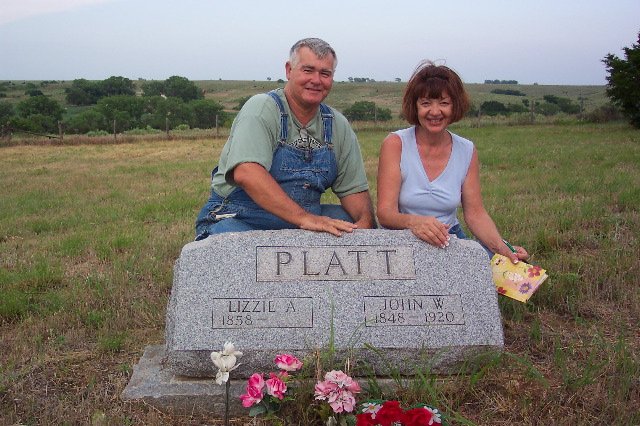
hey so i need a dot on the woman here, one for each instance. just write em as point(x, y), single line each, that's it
point(425, 171)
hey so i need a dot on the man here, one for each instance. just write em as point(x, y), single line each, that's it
point(284, 150)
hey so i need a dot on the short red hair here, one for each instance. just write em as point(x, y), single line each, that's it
point(431, 81)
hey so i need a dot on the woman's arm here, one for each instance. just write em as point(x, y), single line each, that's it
point(477, 218)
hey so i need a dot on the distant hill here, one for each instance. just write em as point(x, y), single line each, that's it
point(389, 94)
point(384, 94)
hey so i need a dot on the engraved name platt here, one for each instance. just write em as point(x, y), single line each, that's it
point(334, 263)
point(422, 310)
point(272, 312)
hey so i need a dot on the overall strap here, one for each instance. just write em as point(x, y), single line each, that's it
point(325, 111)
point(327, 123)
point(284, 117)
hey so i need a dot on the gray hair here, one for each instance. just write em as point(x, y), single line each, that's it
point(319, 47)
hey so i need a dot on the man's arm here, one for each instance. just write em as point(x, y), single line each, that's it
point(360, 208)
point(265, 191)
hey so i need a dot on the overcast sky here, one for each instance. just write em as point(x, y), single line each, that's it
point(531, 41)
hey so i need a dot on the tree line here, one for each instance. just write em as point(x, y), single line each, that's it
point(112, 105)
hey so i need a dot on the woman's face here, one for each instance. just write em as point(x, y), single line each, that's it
point(434, 114)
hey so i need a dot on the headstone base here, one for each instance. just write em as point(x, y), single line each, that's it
point(158, 387)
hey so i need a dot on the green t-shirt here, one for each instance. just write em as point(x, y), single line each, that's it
point(255, 135)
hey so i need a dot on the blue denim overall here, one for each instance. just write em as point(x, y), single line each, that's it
point(304, 174)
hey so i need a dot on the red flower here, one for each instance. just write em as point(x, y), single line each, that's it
point(534, 271)
point(417, 417)
point(389, 413)
point(365, 419)
point(501, 290)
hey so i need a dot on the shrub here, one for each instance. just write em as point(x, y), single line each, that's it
point(367, 111)
point(604, 114)
point(86, 121)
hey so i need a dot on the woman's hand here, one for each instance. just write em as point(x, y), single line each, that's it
point(520, 254)
point(431, 230)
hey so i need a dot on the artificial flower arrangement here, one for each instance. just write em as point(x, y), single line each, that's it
point(265, 395)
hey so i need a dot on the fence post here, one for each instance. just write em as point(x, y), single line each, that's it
point(217, 130)
point(114, 130)
point(533, 113)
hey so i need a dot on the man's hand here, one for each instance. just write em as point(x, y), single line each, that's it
point(335, 227)
point(265, 191)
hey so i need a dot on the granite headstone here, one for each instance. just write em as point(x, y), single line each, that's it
point(370, 293)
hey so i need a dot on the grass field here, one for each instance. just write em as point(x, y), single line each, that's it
point(89, 234)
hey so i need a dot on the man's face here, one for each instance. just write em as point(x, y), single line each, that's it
point(310, 80)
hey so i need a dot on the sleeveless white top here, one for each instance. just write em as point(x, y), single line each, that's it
point(441, 197)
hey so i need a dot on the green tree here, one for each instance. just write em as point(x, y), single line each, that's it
point(173, 87)
point(493, 108)
point(153, 88)
point(566, 105)
point(125, 110)
point(162, 111)
point(117, 86)
point(241, 103)
point(623, 82)
point(516, 108)
point(204, 112)
point(6, 113)
point(86, 121)
point(367, 111)
point(181, 87)
point(38, 114)
point(83, 92)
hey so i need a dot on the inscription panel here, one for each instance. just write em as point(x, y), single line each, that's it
point(334, 263)
point(273, 312)
point(420, 310)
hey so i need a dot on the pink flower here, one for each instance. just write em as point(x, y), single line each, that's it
point(337, 389)
point(342, 380)
point(324, 389)
point(254, 394)
point(342, 400)
point(256, 381)
point(275, 386)
point(288, 362)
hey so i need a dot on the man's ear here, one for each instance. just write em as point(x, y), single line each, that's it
point(287, 69)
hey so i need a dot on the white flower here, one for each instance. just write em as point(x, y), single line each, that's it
point(371, 408)
point(436, 415)
point(222, 377)
point(225, 361)
point(229, 349)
